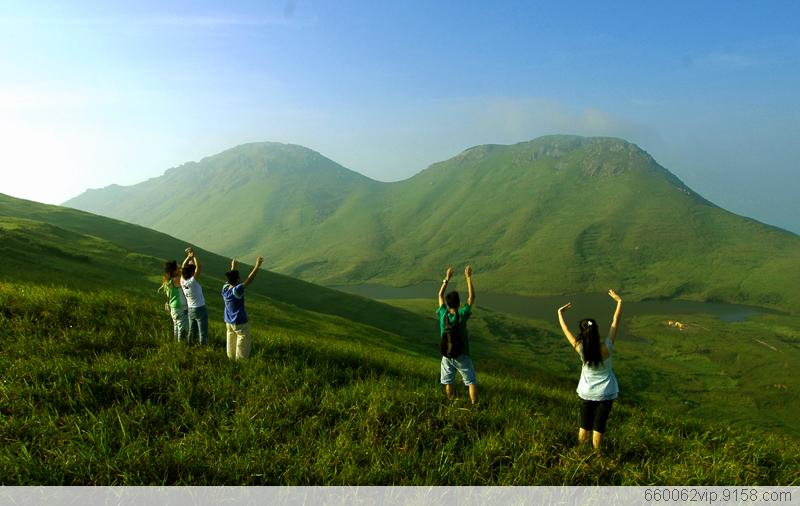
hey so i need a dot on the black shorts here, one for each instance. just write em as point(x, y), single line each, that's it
point(594, 415)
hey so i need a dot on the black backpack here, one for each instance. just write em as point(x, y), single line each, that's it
point(452, 338)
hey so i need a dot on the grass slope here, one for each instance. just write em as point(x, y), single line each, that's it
point(559, 214)
point(64, 246)
point(94, 392)
point(742, 372)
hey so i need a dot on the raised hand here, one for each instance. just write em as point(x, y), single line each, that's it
point(233, 264)
point(259, 261)
point(565, 307)
point(613, 295)
point(449, 273)
point(468, 271)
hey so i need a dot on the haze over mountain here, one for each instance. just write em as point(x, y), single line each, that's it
point(558, 214)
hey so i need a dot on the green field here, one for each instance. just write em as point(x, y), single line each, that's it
point(94, 391)
point(344, 390)
point(743, 374)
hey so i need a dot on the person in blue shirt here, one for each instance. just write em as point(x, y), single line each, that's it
point(238, 329)
point(598, 385)
point(453, 318)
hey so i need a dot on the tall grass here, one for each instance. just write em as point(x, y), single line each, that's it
point(94, 391)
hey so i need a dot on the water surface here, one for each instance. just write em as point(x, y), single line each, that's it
point(585, 305)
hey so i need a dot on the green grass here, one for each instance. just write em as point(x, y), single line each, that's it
point(559, 214)
point(95, 392)
point(344, 390)
point(62, 246)
point(743, 372)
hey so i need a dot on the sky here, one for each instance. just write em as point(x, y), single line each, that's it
point(94, 93)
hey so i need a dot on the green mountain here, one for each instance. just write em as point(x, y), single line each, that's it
point(342, 390)
point(238, 200)
point(559, 214)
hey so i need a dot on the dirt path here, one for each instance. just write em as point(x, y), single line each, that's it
point(765, 344)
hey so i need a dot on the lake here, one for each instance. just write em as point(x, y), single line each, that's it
point(586, 305)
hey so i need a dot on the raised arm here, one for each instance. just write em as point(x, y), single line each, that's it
point(252, 275)
point(196, 265)
point(571, 338)
point(233, 264)
point(470, 288)
point(447, 276)
point(612, 332)
point(189, 256)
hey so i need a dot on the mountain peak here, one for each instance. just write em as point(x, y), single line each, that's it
point(264, 158)
point(558, 146)
point(269, 148)
point(594, 156)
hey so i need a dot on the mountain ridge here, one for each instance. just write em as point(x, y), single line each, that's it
point(558, 214)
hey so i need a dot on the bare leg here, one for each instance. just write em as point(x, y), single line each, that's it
point(583, 434)
point(448, 391)
point(473, 393)
point(596, 438)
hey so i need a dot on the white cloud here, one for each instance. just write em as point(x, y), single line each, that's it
point(525, 118)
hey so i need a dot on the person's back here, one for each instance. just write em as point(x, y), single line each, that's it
point(598, 382)
point(196, 302)
point(458, 319)
point(233, 297)
point(193, 292)
point(598, 386)
point(236, 323)
point(171, 287)
point(455, 340)
point(177, 299)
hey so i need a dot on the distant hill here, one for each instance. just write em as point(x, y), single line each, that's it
point(558, 214)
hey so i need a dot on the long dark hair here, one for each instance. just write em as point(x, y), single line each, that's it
point(590, 339)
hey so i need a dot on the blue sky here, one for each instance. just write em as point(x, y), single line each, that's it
point(93, 93)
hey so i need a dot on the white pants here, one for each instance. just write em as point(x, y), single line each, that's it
point(238, 340)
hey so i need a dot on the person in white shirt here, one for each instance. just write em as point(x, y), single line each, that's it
point(598, 384)
point(198, 314)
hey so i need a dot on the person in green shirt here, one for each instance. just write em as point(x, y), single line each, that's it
point(171, 287)
point(455, 341)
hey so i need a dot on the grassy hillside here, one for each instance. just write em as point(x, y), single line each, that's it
point(95, 392)
point(559, 214)
point(59, 246)
point(742, 372)
point(725, 369)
